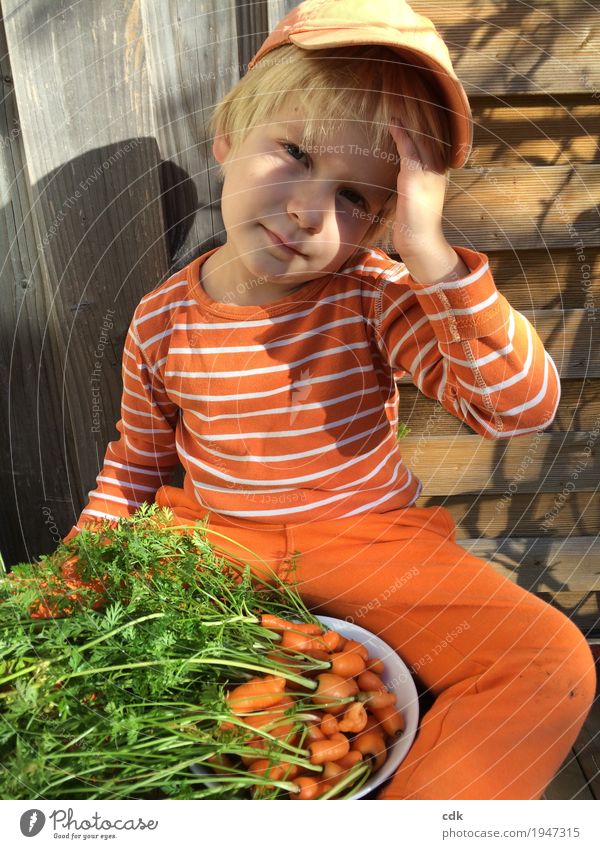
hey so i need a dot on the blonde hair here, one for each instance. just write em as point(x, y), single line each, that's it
point(369, 84)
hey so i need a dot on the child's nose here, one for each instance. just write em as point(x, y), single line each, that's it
point(307, 203)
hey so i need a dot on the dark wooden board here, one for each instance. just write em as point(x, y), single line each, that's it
point(533, 463)
point(546, 514)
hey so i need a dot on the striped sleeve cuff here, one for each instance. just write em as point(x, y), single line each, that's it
point(468, 308)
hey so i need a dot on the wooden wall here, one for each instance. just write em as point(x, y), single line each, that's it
point(108, 185)
point(529, 197)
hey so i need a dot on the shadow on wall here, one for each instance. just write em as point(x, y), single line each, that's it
point(115, 221)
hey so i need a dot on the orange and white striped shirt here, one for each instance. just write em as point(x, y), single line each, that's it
point(288, 411)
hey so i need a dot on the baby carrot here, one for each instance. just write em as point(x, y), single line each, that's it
point(354, 719)
point(333, 640)
point(276, 623)
point(376, 699)
point(324, 787)
point(332, 771)
point(355, 646)
point(330, 749)
point(390, 719)
point(308, 787)
point(376, 665)
point(329, 725)
point(300, 641)
point(353, 757)
point(348, 664)
point(370, 681)
point(371, 744)
point(332, 687)
point(267, 769)
point(256, 694)
point(313, 731)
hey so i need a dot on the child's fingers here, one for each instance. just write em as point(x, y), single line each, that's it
point(409, 151)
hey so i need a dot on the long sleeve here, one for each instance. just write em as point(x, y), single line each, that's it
point(144, 456)
point(464, 345)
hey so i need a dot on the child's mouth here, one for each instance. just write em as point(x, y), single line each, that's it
point(281, 243)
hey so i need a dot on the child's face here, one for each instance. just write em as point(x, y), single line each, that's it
point(320, 202)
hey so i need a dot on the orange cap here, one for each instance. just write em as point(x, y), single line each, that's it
point(317, 24)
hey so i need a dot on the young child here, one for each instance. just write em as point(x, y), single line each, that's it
point(267, 367)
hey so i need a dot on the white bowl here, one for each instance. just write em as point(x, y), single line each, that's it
point(397, 679)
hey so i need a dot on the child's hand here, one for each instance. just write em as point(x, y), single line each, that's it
point(421, 193)
point(417, 233)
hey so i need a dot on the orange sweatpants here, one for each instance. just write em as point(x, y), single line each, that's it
point(512, 679)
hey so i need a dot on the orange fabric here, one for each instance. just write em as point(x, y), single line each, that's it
point(512, 677)
point(317, 24)
point(289, 411)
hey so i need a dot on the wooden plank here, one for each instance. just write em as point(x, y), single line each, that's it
point(253, 26)
point(538, 279)
point(540, 462)
point(579, 409)
point(570, 781)
point(533, 280)
point(571, 338)
point(26, 377)
point(95, 192)
point(550, 46)
point(582, 607)
point(547, 514)
point(192, 62)
point(537, 564)
point(523, 208)
point(587, 748)
point(535, 130)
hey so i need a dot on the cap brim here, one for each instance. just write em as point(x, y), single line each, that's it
point(457, 101)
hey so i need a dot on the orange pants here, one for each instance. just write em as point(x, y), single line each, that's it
point(510, 678)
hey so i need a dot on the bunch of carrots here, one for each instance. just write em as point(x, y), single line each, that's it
point(349, 719)
point(137, 661)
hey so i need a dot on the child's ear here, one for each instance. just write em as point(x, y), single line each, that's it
point(221, 148)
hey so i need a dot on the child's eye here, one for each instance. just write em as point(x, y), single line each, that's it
point(294, 151)
point(354, 197)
